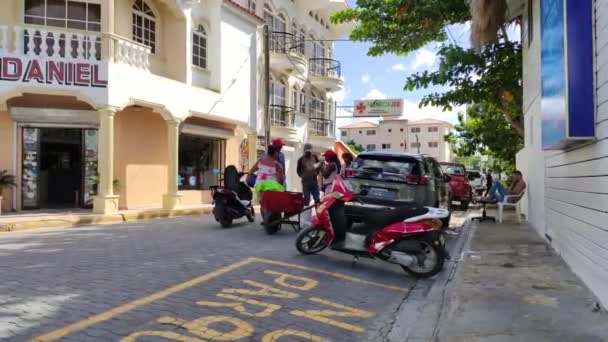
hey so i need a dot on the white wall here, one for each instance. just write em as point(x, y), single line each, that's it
point(568, 190)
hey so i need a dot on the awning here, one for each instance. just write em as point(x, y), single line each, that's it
point(53, 116)
point(209, 132)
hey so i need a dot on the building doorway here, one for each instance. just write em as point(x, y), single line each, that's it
point(59, 168)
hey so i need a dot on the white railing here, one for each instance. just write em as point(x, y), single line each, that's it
point(130, 52)
point(50, 43)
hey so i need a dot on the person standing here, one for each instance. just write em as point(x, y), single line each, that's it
point(330, 169)
point(488, 182)
point(308, 171)
point(278, 145)
point(348, 158)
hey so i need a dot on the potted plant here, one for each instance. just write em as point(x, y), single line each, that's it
point(6, 181)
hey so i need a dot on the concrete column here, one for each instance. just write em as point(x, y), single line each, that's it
point(172, 199)
point(106, 202)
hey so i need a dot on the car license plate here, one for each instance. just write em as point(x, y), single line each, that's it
point(382, 193)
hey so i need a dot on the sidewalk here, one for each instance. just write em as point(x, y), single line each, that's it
point(38, 220)
point(511, 286)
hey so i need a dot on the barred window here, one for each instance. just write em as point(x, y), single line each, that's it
point(199, 47)
point(144, 24)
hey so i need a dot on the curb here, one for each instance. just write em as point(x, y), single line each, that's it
point(73, 221)
point(419, 315)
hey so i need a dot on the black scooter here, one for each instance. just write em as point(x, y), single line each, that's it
point(233, 200)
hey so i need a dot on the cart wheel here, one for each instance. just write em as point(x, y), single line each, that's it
point(272, 218)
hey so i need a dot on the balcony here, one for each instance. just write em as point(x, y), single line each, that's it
point(283, 122)
point(287, 54)
point(325, 73)
point(321, 132)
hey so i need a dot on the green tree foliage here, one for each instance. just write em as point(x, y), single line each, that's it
point(485, 131)
point(356, 148)
point(490, 78)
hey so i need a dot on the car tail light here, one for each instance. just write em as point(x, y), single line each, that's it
point(412, 180)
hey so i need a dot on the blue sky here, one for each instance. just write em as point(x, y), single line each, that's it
point(384, 77)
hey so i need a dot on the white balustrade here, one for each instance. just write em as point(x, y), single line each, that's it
point(131, 53)
point(48, 43)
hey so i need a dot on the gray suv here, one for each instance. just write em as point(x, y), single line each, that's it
point(397, 179)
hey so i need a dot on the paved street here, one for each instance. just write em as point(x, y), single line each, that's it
point(187, 279)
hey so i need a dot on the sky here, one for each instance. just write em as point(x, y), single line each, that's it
point(384, 77)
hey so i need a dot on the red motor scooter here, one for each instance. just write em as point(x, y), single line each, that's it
point(407, 236)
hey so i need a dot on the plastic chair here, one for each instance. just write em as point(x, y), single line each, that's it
point(505, 203)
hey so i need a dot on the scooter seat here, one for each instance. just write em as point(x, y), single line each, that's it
point(245, 203)
point(379, 220)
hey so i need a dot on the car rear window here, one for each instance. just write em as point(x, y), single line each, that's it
point(385, 168)
point(453, 169)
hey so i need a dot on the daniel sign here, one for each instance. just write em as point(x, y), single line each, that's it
point(387, 107)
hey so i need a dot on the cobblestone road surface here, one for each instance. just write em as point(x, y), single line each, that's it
point(187, 279)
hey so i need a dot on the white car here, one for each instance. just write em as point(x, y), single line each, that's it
point(477, 181)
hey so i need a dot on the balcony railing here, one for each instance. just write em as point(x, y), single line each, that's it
point(321, 127)
point(325, 67)
point(282, 116)
point(50, 43)
point(130, 52)
point(285, 42)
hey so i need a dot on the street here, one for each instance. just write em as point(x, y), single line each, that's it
point(187, 279)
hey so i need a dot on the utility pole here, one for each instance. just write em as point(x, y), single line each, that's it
point(267, 84)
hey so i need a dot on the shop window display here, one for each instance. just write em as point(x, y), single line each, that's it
point(201, 161)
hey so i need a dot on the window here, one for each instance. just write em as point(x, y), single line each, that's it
point(433, 129)
point(278, 92)
point(302, 41)
point(401, 144)
point(199, 47)
point(294, 98)
point(200, 162)
point(415, 145)
point(415, 130)
point(433, 144)
point(370, 147)
point(386, 146)
point(251, 5)
point(390, 130)
point(303, 102)
point(530, 24)
point(144, 24)
point(401, 129)
point(344, 133)
point(65, 14)
point(360, 132)
point(371, 132)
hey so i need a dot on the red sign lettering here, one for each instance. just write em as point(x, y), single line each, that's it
point(11, 69)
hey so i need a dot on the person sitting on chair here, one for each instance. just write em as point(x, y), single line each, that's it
point(498, 191)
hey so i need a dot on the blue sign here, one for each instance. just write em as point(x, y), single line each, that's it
point(567, 83)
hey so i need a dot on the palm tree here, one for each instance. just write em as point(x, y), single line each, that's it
point(487, 18)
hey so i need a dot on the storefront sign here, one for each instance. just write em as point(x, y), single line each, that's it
point(567, 76)
point(372, 108)
point(51, 72)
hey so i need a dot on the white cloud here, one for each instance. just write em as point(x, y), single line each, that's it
point(375, 94)
point(424, 58)
point(411, 111)
point(365, 78)
point(398, 67)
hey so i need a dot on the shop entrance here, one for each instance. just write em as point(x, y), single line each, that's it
point(59, 167)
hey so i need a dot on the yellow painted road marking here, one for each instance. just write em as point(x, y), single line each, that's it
point(107, 315)
point(200, 327)
point(323, 315)
point(307, 284)
point(333, 274)
point(269, 309)
point(104, 316)
point(277, 334)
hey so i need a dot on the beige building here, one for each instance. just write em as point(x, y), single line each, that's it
point(422, 136)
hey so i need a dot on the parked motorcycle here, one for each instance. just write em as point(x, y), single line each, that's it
point(233, 200)
point(407, 236)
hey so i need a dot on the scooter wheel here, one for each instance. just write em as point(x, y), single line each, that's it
point(311, 240)
point(226, 222)
point(432, 263)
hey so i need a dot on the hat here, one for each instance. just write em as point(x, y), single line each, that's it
point(329, 153)
point(307, 147)
point(278, 142)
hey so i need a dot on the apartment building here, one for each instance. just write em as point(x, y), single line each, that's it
point(421, 136)
point(304, 75)
point(125, 103)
